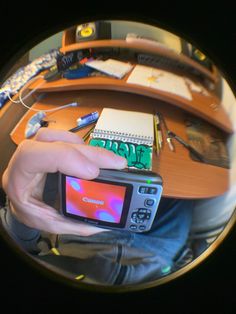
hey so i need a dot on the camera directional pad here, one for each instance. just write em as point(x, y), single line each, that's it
point(140, 215)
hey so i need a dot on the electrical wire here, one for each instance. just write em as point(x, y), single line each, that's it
point(21, 99)
point(26, 96)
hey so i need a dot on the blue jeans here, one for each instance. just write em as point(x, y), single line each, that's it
point(116, 257)
point(122, 257)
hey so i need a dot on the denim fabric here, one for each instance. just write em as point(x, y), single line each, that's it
point(23, 235)
point(145, 257)
point(167, 237)
point(114, 257)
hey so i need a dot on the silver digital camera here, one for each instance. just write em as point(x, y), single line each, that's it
point(116, 199)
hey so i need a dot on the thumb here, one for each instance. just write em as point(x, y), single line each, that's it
point(36, 158)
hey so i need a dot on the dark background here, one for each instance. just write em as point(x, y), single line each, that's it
point(210, 25)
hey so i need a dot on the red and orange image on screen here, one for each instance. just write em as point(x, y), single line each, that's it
point(94, 200)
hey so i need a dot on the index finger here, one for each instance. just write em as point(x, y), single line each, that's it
point(83, 161)
point(52, 135)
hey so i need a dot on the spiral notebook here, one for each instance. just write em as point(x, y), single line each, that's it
point(126, 126)
point(127, 133)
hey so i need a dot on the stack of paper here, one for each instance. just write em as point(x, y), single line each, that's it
point(159, 79)
point(111, 67)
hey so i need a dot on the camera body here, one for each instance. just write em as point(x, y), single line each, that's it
point(117, 199)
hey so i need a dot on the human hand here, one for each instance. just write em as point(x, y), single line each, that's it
point(49, 152)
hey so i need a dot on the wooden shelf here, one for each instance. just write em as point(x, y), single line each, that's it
point(205, 107)
point(200, 105)
point(182, 177)
point(68, 44)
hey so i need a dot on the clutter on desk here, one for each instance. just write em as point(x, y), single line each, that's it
point(65, 61)
point(111, 67)
point(176, 66)
point(166, 132)
point(170, 136)
point(70, 65)
point(198, 156)
point(52, 74)
point(79, 72)
point(37, 120)
point(24, 74)
point(209, 141)
point(134, 38)
point(84, 63)
point(196, 87)
point(86, 120)
point(34, 124)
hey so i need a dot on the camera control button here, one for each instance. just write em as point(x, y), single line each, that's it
point(142, 210)
point(141, 215)
point(142, 228)
point(152, 190)
point(143, 189)
point(148, 216)
point(149, 202)
point(147, 190)
point(134, 217)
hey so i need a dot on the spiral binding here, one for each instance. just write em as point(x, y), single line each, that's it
point(124, 137)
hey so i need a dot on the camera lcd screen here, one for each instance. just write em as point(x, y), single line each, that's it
point(98, 201)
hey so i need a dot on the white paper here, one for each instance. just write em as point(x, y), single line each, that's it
point(111, 67)
point(159, 79)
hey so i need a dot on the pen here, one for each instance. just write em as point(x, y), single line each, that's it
point(79, 127)
point(171, 146)
point(186, 145)
point(86, 120)
point(168, 138)
point(85, 137)
point(158, 130)
point(156, 135)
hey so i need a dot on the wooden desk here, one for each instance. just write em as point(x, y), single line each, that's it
point(182, 177)
point(200, 105)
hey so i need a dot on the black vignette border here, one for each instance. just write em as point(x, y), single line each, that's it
point(212, 26)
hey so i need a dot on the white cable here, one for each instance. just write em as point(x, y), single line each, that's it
point(21, 99)
point(30, 93)
point(74, 104)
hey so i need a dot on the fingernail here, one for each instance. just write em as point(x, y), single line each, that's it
point(121, 161)
point(93, 170)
